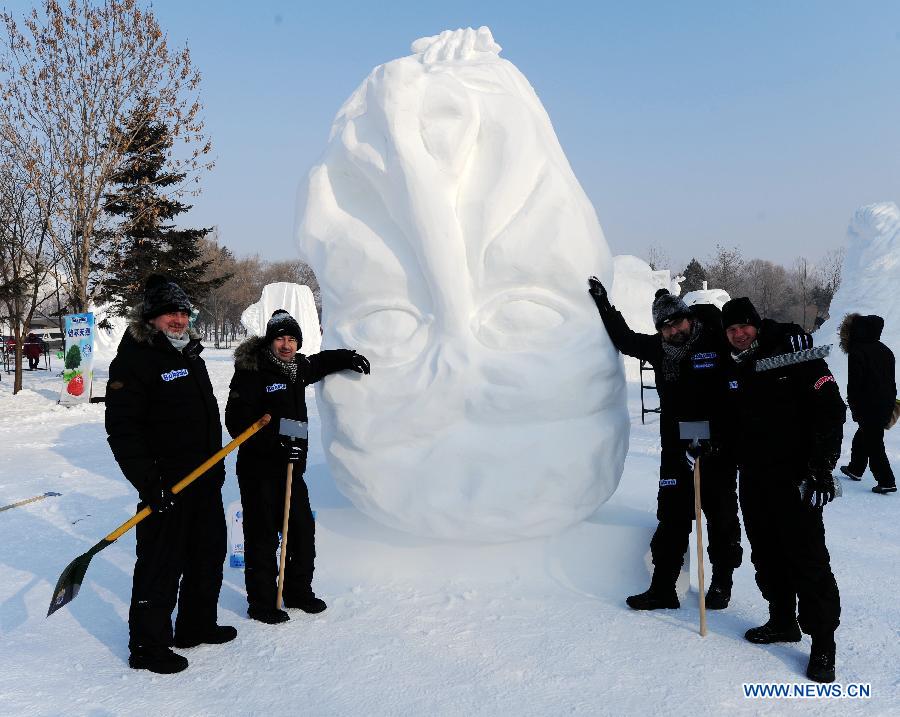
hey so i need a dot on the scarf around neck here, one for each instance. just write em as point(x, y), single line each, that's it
point(289, 369)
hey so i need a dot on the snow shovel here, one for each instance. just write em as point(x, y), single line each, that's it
point(29, 500)
point(292, 430)
point(696, 431)
point(69, 582)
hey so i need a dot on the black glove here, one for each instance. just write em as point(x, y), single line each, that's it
point(359, 363)
point(599, 295)
point(158, 499)
point(819, 488)
point(797, 342)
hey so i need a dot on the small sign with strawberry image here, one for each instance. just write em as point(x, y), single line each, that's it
point(79, 359)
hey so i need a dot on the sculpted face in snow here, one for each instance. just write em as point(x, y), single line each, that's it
point(452, 243)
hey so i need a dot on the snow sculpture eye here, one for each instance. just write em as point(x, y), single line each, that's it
point(495, 407)
point(387, 336)
point(520, 320)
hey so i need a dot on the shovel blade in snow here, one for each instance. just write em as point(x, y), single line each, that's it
point(694, 430)
point(70, 580)
point(293, 429)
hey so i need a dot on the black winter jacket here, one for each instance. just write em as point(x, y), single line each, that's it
point(790, 416)
point(162, 418)
point(871, 384)
point(698, 394)
point(258, 387)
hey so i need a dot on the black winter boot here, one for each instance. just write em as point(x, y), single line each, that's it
point(268, 615)
point(774, 631)
point(821, 659)
point(719, 594)
point(217, 636)
point(847, 472)
point(660, 596)
point(308, 603)
point(156, 659)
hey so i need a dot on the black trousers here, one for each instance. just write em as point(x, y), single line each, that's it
point(788, 551)
point(262, 500)
point(867, 450)
point(675, 511)
point(179, 558)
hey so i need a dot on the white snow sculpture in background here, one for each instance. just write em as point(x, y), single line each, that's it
point(298, 301)
point(106, 341)
point(453, 245)
point(633, 288)
point(870, 280)
point(716, 297)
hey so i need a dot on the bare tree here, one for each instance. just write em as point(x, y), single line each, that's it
point(69, 78)
point(725, 270)
point(803, 286)
point(768, 287)
point(657, 258)
point(24, 257)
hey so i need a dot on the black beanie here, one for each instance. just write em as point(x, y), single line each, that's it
point(163, 296)
point(668, 308)
point(283, 324)
point(740, 311)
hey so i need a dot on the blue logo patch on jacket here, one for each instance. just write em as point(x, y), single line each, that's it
point(667, 482)
point(276, 387)
point(733, 385)
point(705, 360)
point(172, 375)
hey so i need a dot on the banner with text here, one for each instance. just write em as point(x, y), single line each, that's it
point(78, 374)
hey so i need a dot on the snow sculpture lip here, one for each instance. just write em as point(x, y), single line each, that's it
point(452, 243)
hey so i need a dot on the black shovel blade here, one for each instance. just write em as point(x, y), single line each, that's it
point(70, 580)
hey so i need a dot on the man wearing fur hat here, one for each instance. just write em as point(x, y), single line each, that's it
point(871, 394)
point(163, 421)
point(271, 377)
point(688, 358)
point(786, 427)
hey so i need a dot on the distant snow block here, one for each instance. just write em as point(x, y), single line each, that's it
point(716, 297)
point(453, 245)
point(633, 288)
point(298, 301)
point(869, 279)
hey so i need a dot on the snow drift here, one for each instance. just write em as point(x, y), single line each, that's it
point(453, 243)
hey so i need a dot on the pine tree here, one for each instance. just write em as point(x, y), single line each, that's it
point(143, 238)
point(694, 276)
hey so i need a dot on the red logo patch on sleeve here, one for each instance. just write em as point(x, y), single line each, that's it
point(822, 381)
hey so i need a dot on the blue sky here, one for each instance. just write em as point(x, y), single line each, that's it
point(762, 125)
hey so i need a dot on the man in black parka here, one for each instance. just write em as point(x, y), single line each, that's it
point(871, 395)
point(162, 421)
point(271, 377)
point(785, 428)
point(688, 356)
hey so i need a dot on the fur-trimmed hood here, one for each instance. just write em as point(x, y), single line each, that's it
point(142, 332)
point(246, 355)
point(859, 329)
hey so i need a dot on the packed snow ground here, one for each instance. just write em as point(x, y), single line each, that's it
point(414, 627)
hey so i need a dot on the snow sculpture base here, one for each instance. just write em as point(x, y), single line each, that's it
point(453, 243)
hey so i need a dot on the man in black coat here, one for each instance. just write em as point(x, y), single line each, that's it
point(271, 377)
point(688, 356)
point(871, 395)
point(786, 430)
point(163, 421)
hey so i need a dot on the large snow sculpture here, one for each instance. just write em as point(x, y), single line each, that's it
point(298, 301)
point(453, 243)
point(869, 280)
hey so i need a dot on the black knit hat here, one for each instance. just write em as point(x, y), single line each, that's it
point(740, 311)
point(283, 324)
point(668, 308)
point(163, 296)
